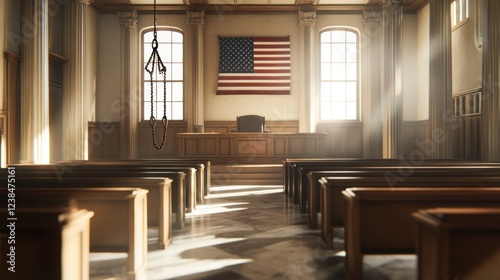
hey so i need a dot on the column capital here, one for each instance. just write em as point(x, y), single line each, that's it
point(307, 18)
point(371, 17)
point(196, 18)
point(128, 19)
point(391, 2)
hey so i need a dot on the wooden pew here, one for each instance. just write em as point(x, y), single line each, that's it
point(203, 168)
point(178, 189)
point(379, 220)
point(300, 168)
point(119, 223)
point(124, 170)
point(159, 198)
point(394, 175)
point(291, 166)
point(47, 240)
point(332, 212)
point(458, 243)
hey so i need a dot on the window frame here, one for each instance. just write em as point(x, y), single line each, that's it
point(143, 79)
point(463, 6)
point(358, 76)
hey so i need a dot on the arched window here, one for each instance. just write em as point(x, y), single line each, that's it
point(339, 94)
point(170, 46)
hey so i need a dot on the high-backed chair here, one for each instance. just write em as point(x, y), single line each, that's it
point(250, 123)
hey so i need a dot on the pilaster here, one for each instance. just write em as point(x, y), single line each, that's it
point(195, 80)
point(391, 80)
point(129, 97)
point(371, 113)
point(34, 111)
point(440, 85)
point(75, 106)
point(307, 70)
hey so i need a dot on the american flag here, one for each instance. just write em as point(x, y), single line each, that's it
point(258, 65)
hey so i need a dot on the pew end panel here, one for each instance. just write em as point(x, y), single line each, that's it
point(380, 218)
point(51, 242)
point(119, 223)
point(458, 243)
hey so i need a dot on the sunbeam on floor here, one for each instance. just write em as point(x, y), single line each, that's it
point(249, 232)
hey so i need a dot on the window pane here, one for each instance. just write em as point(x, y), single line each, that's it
point(147, 91)
point(326, 71)
point(351, 52)
point(148, 37)
point(177, 92)
point(338, 91)
point(147, 110)
point(164, 36)
point(326, 91)
point(338, 110)
point(326, 37)
point(176, 71)
point(326, 111)
point(177, 112)
point(350, 91)
point(177, 37)
point(351, 37)
point(165, 51)
point(176, 53)
point(326, 53)
point(351, 110)
point(351, 71)
point(147, 53)
point(158, 110)
point(338, 53)
point(338, 36)
point(338, 71)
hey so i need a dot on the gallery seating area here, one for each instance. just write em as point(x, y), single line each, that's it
point(143, 208)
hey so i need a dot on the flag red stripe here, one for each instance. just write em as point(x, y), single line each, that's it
point(271, 39)
point(263, 92)
point(253, 84)
point(230, 78)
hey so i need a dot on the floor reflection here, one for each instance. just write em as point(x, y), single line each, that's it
point(250, 232)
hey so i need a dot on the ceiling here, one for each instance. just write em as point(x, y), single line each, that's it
point(246, 5)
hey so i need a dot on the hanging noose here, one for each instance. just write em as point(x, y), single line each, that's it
point(155, 59)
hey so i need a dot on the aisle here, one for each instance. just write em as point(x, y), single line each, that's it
point(250, 232)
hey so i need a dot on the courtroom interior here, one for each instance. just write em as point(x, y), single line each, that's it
point(250, 139)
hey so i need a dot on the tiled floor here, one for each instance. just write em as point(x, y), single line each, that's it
point(250, 232)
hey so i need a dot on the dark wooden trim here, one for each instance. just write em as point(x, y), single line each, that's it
point(13, 103)
point(57, 58)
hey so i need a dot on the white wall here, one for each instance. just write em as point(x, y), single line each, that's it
point(108, 69)
point(423, 63)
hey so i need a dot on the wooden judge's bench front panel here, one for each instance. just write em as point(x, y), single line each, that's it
point(251, 148)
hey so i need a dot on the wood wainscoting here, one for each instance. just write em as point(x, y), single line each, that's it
point(344, 140)
point(467, 137)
